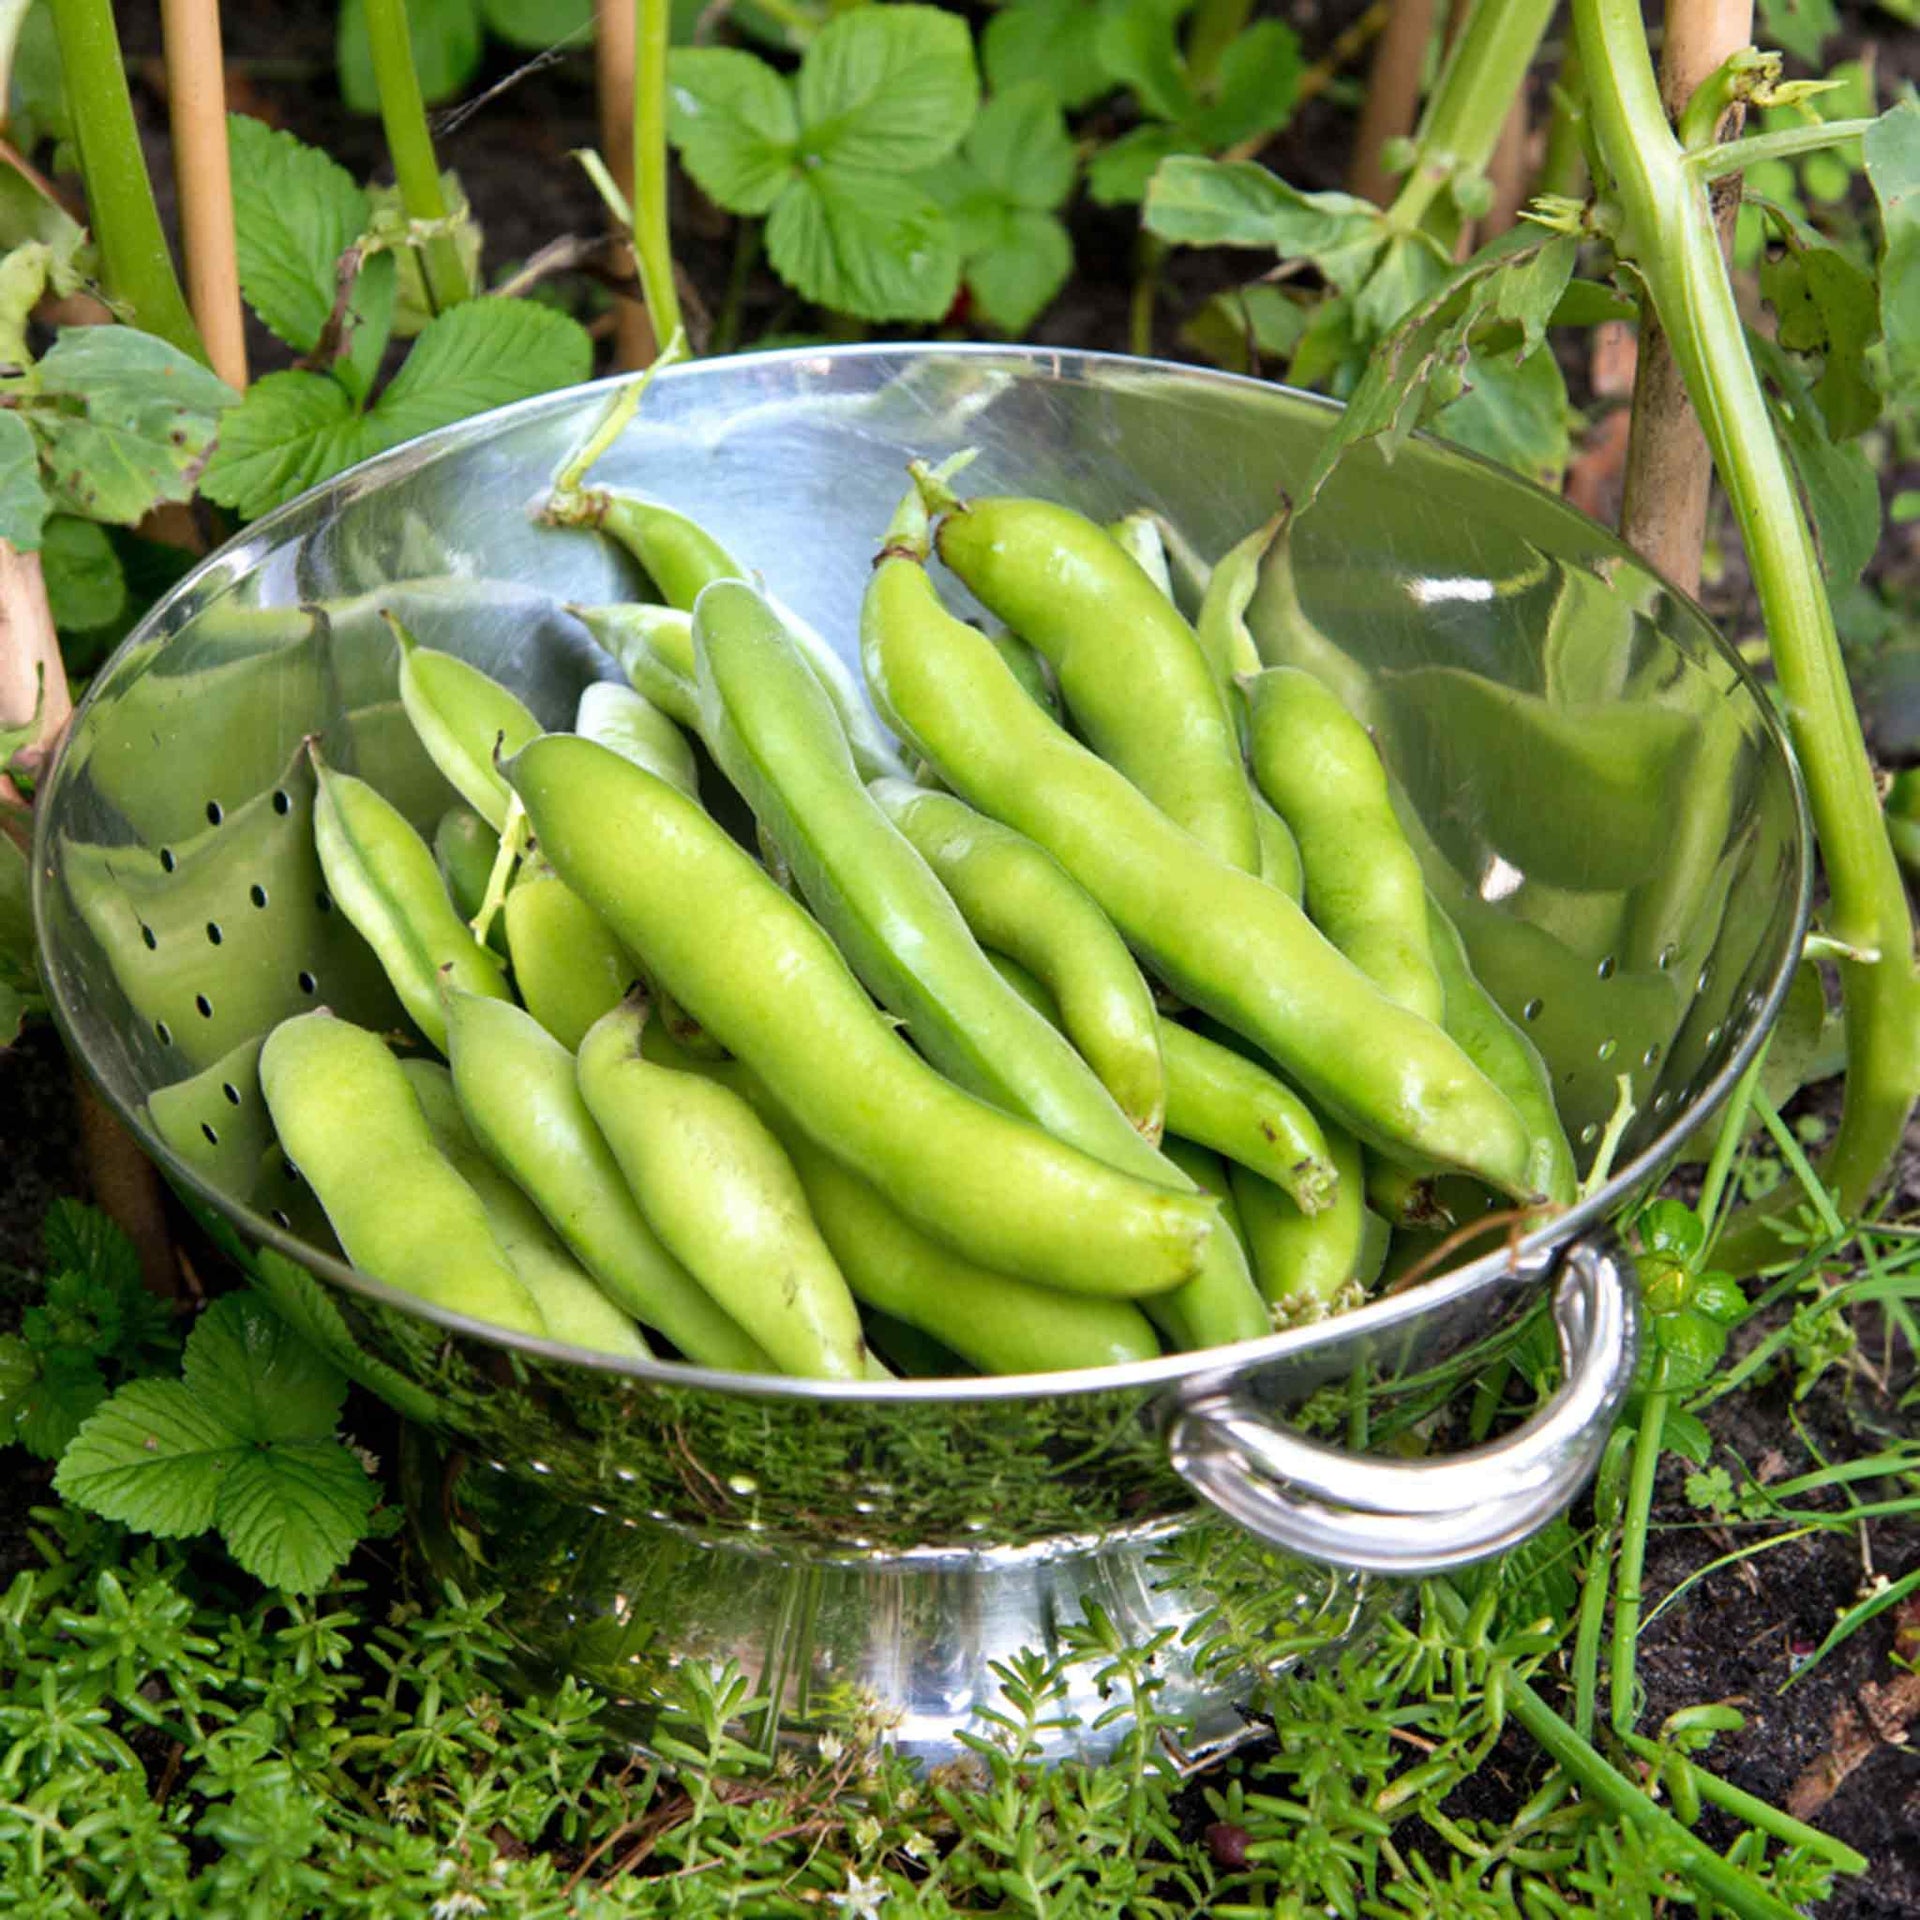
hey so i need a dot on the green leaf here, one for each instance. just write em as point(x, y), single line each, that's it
point(1120, 174)
point(1826, 304)
point(866, 245)
point(1531, 291)
point(290, 1515)
point(52, 1411)
point(446, 36)
point(390, 227)
point(295, 212)
point(483, 353)
point(1842, 492)
point(1892, 149)
point(1405, 272)
point(1799, 27)
point(1019, 145)
point(892, 88)
point(23, 279)
point(735, 125)
point(1241, 327)
point(19, 1369)
point(85, 586)
point(81, 1239)
point(148, 418)
point(1259, 77)
point(1020, 272)
point(539, 24)
point(27, 215)
point(1514, 414)
point(1137, 44)
point(37, 92)
point(290, 430)
point(258, 1377)
point(24, 505)
point(1214, 203)
point(1053, 43)
point(151, 1458)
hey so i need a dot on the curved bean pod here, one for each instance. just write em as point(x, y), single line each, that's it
point(1137, 535)
point(1305, 1262)
point(1364, 887)
point(1208, 1172)
point(993, 1187)
point(1279, 851)
point(462, 715)
point(348, 1120)
point(382, 876)
point(1129, 668)
point(1221, 627)
point(1028, 668)
point(628, 722)
point(568, 968)
point(575, 1310)
point(716, 1187)
point(1018, 900)
point(654, 649)
point(518, 1092)
point(1224, 940)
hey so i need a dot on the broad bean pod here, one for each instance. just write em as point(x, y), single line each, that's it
point(348, 1120)
point(653, 647)
point(462, 717)
point(1307, 1262)
point(627, 721)
point(567, 967)
point(464, 849)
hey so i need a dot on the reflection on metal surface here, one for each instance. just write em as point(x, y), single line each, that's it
point(1555, 719)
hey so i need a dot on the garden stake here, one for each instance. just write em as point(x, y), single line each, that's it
point(613, 64)
point(203, 179)
point(1668, 232)
point(1393, 97)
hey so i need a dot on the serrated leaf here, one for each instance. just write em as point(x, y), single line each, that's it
point(1826, 304)
point(1841, 490)
point(290, 1514)
point(291, 429)
point(1121, 174)
point(23, 499)
point(734, 122)
point(1020, 272)
point(483, 353)
point(150, 414)
point(1514, 414)
point(1053, 43)
point(1259, 77)
point(447, 40)
point(538, 24)
point(1798, 27)
point(1213, 203)
point(295, 212)
point(52, 1411)
point(258, 1377)
point(81, 1239)
point(86, 588)
point(1020, 147)
point(151, 1458)
point(891, 88)
point(19, 1369)
point(866, 245)
point(1137, 45)
point(1892, 153)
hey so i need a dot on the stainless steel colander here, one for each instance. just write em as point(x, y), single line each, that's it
point(1602, 799)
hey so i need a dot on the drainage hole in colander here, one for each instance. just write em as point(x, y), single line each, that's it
point(280, 1217)
point(1705, 980)
point(163, 1033)
point(291, 1171)
point(1589, 1134)
point(282, 801)
point(323, 900)
point(308, 984)
point(1662, 1100)
point(257, 894)
point(214, 814)
point(213, 933)
point(1607, 967)
point(167, 861)
point(1652, 1055)
point(231, 1091)
point(1713, 1035)
point(205, 1006)
point(206, 1127)
point(1533, 1010)
point(147, 934)
point(1668, 955)
point(1606, 1049)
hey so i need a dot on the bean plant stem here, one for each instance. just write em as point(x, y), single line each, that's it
point(1670, 235)
point(652, 235)
point(404, 116)
point(1634, 1520)
point(1594, 1589)
point(1483, 76)
point(135, 266)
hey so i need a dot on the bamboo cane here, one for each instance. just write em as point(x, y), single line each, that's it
point(203, 179)
point(613, 55)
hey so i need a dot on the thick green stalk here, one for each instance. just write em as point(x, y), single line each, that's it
point(1563, 167)
point(135, 266)
point(1669, 235)
point(404, 116)
point(652, 236)
point(1478, 85)
point(1623, 1709)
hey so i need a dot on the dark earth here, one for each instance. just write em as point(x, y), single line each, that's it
point(1740, 1632)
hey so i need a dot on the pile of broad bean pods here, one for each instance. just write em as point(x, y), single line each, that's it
point(901, 1076)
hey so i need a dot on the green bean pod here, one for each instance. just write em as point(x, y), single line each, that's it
point(1279, 851)
point(1018, 900)
point(1221, 627)
point(567, 967)
point(1028, 668)
point(1406, 1196)
point(382, 876)
point(723, 1196)
point(1502, 1051)
point(1223, 939)
point(654, 649)
point(1306, 1262)
point(348, 1120)
point(1208, 1171)
point(699, 910)
point(1129, 667)
point(518, 1092)
point(462, 715)
point(628, 722)
point(464, 849)
point(1137, 535)
point(993, 1321)
point(1364, 887)
point(577, 1313)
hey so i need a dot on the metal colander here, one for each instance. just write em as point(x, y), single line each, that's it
point(1601, 797)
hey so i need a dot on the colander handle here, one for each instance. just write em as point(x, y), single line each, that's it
point(1416, 1517)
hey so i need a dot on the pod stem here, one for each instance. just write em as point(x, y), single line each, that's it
point(567, 502)
point(515, 834)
